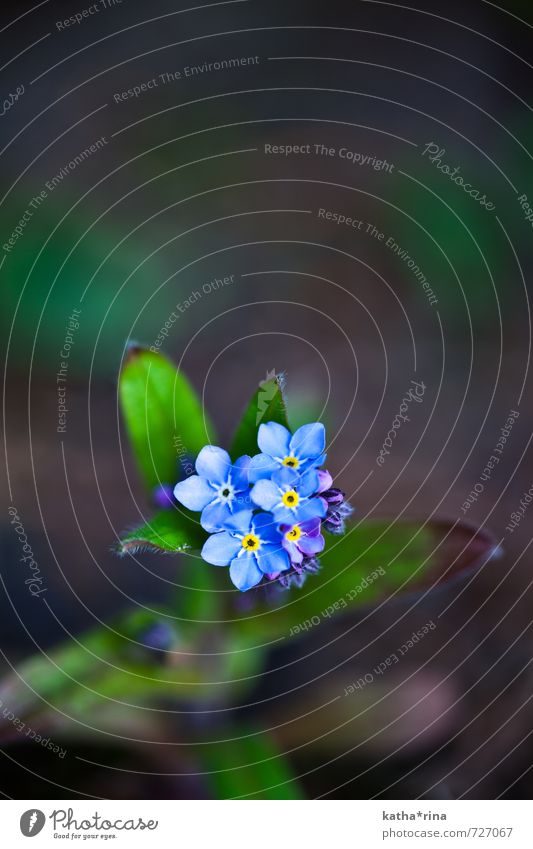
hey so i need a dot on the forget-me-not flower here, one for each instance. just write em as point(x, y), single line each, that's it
point(251, 545)
point(289, 496)
point(302, 451)
point(302, 540)
point(219, 490)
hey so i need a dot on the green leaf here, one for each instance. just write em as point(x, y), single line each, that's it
point(372, 562)
point(267, 405)
point(249, 766)
point(164, 417)
point(90, 673)
point(172, 531)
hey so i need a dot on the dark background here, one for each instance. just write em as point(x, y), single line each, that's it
point(185, 195)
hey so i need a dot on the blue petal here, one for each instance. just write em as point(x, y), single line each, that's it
point(295, 555)
point(194, 493)
point(286, 515)
point(311, 462)
point(220, 549)
point(239, 472)
point(213, 463)
point(310, 508)
point(273, 439)
point(285, 476)
point(265, 494)
point(309, 440)
point(240, 521)
point(241, 501)
point(309, 482)
point(261, 466)
point(266, 528)
point(244, 572)
point(214, 517)
point(311, 527)
point(312, 544)
point(273, 558)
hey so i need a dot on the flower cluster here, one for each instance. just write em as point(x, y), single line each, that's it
point(266, 513)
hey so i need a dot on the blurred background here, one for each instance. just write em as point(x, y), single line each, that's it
point(163, 133)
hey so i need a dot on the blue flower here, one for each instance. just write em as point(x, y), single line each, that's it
point(302, 540)
point(251, 545)
point(289, 496)
point(301, 452)
point(219, 490)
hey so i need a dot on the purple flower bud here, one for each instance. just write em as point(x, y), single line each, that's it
point(244, 602)
point(333, 496)
point(334, 525)
point(338, 510)
point(163, 496)
point(297, 575)
point(159, 637)
point(295, 578)
point(324, 480)
point(311, 565)
point(334, 522)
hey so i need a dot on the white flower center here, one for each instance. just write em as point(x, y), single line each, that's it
point(226, 492)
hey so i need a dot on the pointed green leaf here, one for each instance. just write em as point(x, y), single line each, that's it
point(100, 668)
point(164, 417)
point(372, 562)
point(172, 531)
point(267, 405)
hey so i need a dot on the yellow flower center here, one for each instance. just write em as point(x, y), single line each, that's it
point(250, 542)
point(294, 534)
point(290, 498)
point(291, 461)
